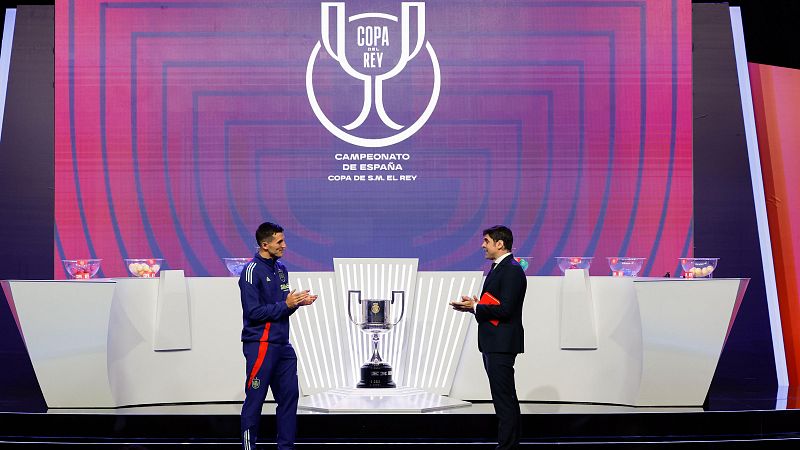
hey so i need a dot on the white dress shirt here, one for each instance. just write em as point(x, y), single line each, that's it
point(496, 262)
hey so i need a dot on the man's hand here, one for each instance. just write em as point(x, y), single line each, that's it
point(297, 299)
point(466, 304)
point(309, 300)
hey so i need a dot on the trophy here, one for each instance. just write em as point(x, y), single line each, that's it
point(376, 320)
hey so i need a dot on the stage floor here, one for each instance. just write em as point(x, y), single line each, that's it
point(732, 420)
point(483, 408)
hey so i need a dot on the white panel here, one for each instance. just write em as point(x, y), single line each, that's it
point(759, 202)
point(684, 323)
point(376, 278)
point(578, 329)
point(64, 326)
point(545, 372)
point(173, 328)
point(470, 382)
point(659, 341)
point(436, 332)
point(318, 333)
point(213, 370)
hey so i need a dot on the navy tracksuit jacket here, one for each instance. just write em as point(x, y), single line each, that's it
point(271, 360)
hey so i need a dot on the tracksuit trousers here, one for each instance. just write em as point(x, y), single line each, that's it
point(273, 366)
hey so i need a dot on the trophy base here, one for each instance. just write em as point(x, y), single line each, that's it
point(376, 375)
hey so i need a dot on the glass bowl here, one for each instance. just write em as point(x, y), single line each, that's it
point(573, 262)
point(235, 265)
point(81, 269)
point(698, 267)
point(625, 266)
point(144, 267)
point(524, 262)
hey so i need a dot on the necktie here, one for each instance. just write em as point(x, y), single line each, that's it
point(492, 268)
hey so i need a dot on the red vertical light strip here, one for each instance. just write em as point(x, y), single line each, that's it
point(772, 88)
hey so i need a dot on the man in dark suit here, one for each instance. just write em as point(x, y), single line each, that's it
point(500, 332)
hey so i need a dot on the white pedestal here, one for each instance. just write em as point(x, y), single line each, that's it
point(394, 400)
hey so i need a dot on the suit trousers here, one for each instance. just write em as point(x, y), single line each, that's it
point(500, 370)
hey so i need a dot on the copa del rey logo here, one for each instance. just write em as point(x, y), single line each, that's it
point(376, 49)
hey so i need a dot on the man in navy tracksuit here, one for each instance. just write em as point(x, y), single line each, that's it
point(271, 360)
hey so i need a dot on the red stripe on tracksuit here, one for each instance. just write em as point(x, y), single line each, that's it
point(262, 351)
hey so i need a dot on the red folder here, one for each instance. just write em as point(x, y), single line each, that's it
point(489, 299)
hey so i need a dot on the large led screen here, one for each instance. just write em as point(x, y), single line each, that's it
point(373, 129)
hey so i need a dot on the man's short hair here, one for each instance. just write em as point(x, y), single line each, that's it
point(500, 233)
point(266, 230)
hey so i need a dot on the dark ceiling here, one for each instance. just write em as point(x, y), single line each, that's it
point(772, 28)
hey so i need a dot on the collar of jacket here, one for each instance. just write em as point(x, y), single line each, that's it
point(269, 261)
point(505, 260)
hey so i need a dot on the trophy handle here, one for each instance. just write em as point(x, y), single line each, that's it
point(350, 296)
point(402, 296)
point(407, 7)
point(337, 9)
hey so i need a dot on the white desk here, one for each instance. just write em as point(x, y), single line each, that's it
point(92, 342)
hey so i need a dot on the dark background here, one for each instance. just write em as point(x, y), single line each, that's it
point(724, 225)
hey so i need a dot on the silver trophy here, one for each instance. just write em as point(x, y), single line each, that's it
point(376, 319)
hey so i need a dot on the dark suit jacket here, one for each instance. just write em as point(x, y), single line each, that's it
point(507, 282)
